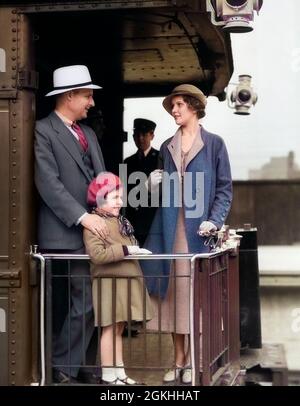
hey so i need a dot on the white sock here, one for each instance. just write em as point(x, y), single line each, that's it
point(120, 371)
point(108, 374)
point(121, 374)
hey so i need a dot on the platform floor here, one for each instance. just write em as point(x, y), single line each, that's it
point(144, 350)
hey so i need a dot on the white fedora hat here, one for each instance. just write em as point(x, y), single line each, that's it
point(71, 77)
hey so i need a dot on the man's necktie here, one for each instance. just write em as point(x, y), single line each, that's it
point(81, 136)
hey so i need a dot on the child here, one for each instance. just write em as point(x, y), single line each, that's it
point(105, 195)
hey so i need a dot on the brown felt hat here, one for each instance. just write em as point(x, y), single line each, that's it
point(189, 90)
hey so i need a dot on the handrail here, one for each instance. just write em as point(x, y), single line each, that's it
point(36, 255)
point(191, 256)
point(143, 256)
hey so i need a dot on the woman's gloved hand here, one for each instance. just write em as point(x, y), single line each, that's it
point(154, 179)
point(206, 228)
point(136, 250)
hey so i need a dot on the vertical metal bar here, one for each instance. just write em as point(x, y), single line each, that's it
point(99, 314)
point(49, 276)
point(84, 320)
point(195, 296)
point(218, 332)
point(206, 312)
point(159, 321)
point(69, 316)
point(234, 308)
point(42, 315)
point(145, 350)
point(129, 324)
point(213, 307)
point(114, 308)
point(226, 303)
point(220, 309)
point(175, 321)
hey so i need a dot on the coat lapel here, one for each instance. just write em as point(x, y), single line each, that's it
point(198, 144)
point(174, 148)
point(65, 137)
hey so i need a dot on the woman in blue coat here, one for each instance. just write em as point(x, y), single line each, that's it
point(195, 200)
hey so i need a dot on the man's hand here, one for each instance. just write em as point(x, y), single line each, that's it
point(206, 228)
point(95, 224)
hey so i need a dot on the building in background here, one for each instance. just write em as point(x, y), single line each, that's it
point(283, 167)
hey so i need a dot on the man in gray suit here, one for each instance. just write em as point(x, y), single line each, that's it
point(67, 158)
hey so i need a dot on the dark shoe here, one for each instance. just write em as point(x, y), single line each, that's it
point(62, 377)
point(134, 332)
point(88, 377)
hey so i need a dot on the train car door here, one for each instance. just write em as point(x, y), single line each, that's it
point(17, 101)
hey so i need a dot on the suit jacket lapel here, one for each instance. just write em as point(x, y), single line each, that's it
point(174, 148)
point(95, 151)
point(65, 137)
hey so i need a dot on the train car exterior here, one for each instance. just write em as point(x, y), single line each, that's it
point(154, 46)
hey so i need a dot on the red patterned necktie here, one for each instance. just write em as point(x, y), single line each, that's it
point(81, 136)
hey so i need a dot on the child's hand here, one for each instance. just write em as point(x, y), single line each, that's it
point(144, 251)
point(136, 250)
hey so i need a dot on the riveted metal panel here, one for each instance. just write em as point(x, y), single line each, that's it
point(17, 116)
point(3, 337)
point(22, 226)
point(93, 5)
point(4, 184)
point(8, 53)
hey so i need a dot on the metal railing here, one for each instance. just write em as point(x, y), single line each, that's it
point(213, 316)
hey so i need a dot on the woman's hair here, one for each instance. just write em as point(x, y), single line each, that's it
point(195, 105)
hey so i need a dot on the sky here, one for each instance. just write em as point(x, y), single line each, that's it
point(271, 55)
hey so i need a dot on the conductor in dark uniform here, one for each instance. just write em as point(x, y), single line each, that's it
point(144, 160)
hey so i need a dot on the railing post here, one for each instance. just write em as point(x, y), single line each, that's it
point(34, 253)
point(48, 270)
point(206, 311)
point(234, 306)
point(196, 347)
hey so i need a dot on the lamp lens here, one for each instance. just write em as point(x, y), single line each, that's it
point(236, 3)
point(244, 96)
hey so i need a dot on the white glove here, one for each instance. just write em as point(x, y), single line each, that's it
point(154, 179)
point(136, 250)
point(206, 228)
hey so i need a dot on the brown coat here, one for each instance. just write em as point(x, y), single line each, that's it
point(114, 274)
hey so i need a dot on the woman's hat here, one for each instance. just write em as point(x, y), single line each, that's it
point(100, 186)
point(71, 77)
point(181, 90)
